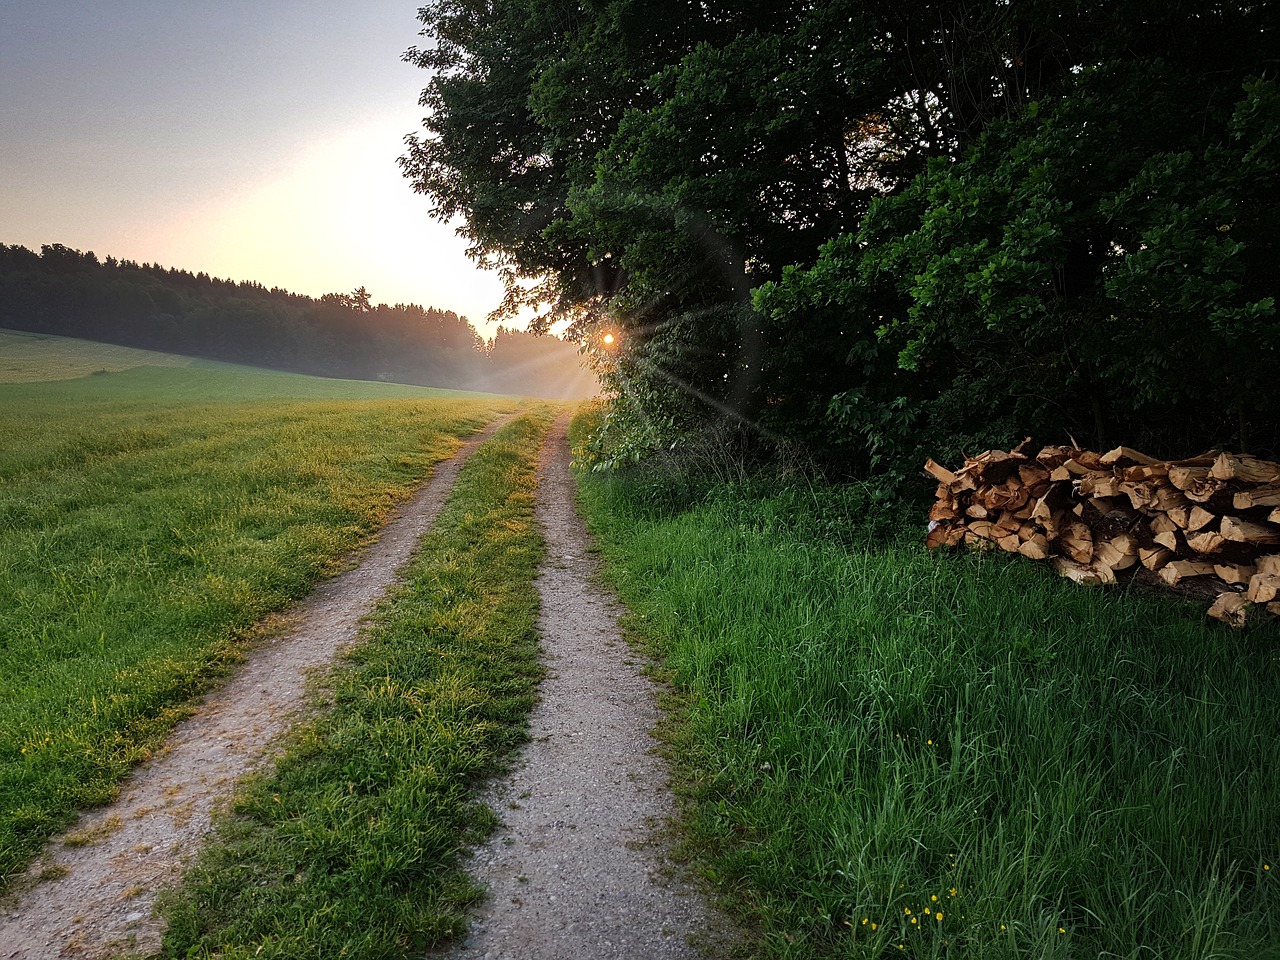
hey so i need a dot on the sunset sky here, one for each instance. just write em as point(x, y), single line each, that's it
point(250, 139)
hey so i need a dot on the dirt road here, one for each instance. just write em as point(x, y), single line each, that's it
point(579, 868)
point(91, 894)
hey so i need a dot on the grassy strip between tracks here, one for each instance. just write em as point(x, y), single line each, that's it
point(149, 520)
point(350, 847)
point(889, 753)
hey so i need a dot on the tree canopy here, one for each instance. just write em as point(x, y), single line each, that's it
point(880, 228)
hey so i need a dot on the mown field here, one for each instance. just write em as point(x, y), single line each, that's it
point(150, 519)
point(885, 752)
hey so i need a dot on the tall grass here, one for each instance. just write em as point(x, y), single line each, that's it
point(351, 846)
point(892, 753)
point(148, 520)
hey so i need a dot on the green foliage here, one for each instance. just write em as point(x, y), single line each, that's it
point(1062, 278)
point(1074, 229)
point(149, 519)
point(862, 726)
point(351, 846)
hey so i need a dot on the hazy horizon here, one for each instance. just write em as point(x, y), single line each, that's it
point(249, 142)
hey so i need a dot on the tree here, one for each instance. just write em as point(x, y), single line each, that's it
point(799, 213)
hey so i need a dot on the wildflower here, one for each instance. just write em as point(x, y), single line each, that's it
point(1062, 929)
point(1265, 866)
point(952, 891)
point(1003, 927)
point(914, 919)
point(906, 911)
point(934, 898)
point(875, 926)
point(930, 743)
point(938, 916)
point(864, 921)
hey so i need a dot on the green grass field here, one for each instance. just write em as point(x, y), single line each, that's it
point(885, 752)
point(150, 519)
point(351, 846)
point(33, 357)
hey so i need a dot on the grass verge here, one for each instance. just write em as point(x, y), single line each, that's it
point(149, 519)
point(889, 753)
point(350, 847)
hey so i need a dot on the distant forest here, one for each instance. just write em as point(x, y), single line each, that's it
point(69, 293)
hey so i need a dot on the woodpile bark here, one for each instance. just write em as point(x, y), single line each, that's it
point(1208, 526)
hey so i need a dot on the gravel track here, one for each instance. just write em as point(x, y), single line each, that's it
point(97, 898)
point(579, 869)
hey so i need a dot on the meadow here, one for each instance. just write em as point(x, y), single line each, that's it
point(885, 752)
point(351, 846)
point(151, 521)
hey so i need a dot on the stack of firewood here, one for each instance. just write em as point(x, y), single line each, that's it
point(1209, 526)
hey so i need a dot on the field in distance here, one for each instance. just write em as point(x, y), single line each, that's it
point(153, 511)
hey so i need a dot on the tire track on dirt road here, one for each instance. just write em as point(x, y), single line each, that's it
point(578, 869)
point(95, 899)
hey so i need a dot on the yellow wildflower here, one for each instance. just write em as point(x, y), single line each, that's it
point(938, 916)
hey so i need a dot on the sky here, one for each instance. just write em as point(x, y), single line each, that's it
point(249, 139)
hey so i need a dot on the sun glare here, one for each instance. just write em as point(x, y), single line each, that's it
point(608, 338)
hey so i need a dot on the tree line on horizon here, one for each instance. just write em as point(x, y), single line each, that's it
point(71, 293)
point(881, 229)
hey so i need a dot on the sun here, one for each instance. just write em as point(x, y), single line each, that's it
point(608, 338)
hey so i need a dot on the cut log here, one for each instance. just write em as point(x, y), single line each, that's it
point(1033, 474)
point(1168, 540)
point(1012, 543)
point(1269, 564)
point(945, 510)
point(977, 511)
point(1243, 467)
point(1264, 587)
point(1177, 570)
point(939, 534)
point(1078, 468)
point(1207, 542)
point(1080, 573)
point(1113, 556)
point(1155, 471)
point(1077, 542)
point(1198, 518)
point(1183, 476)
point(1127, 453)
point(1268, 496)
point(1245, 531)
point(1274, 516)
point(1154, 558)
point(1166, 499)
point(1164, 523)
point(1180, 517)
point(1099, 485)
point(942, 474)
point(1036, 547)
point(1234, 572)
point(1231, 608)
point(981, 529)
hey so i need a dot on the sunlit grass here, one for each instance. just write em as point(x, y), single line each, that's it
point(862, 729)
point(148, 520)
point(34, 357)
point(351, 846)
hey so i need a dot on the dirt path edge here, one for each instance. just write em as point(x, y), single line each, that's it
point(95, 899)
point(580, 866)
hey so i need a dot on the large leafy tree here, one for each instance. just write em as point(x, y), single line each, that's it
point(874, 225)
